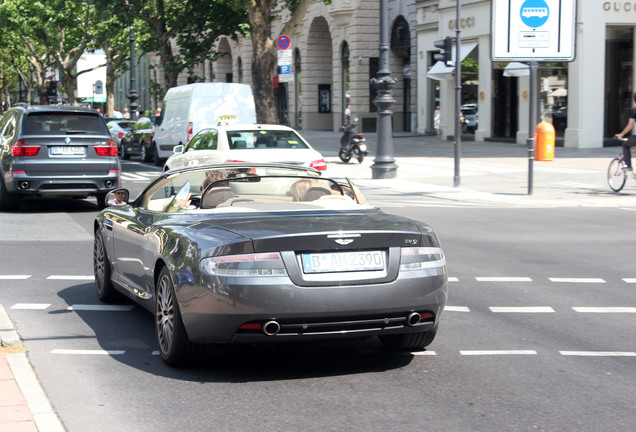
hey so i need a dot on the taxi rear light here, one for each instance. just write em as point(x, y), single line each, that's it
point(20, 149)
point(319, 164)
point(189, 132)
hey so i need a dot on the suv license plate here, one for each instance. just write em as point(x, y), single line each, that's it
point(67, 151)
point(343, 261)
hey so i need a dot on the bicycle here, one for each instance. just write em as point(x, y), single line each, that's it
point(616, 176)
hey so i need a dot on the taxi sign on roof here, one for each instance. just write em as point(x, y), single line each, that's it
point(225, 120)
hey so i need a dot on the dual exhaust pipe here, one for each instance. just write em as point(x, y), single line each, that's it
point(271, 328)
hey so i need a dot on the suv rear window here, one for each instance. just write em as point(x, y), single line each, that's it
point(63, 123)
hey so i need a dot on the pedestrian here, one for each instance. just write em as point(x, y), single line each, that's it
point(631, 141)
point(348, 115)
point(117, 114)
point(126, 114)
point(436, 120)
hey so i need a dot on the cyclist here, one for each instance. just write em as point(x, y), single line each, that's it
point(631, 141)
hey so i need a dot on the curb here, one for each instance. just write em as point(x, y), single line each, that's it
point(41, 410)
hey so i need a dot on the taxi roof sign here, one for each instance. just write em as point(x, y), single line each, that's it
point(226, 120)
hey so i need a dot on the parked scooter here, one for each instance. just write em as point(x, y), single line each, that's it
point(352, 144)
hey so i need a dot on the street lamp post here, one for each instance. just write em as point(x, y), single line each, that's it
point(384, 166)
point(132, 95)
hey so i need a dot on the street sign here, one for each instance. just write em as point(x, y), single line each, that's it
point(533, 30)
point(284, 57)
point(283, 42)
point(285, 70)
point(285, 78)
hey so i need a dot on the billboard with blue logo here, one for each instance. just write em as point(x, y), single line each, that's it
point(533, 30)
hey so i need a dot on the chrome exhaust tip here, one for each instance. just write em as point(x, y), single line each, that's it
point(413, 319)
point(271, 328)
point(24, 185)
point(109, 183)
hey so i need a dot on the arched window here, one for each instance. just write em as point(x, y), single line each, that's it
point(240, 69)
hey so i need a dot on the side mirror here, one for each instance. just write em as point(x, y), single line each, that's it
point(178, 149)
point(117, 197)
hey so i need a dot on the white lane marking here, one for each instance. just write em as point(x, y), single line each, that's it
point(503, 279)
point(629, 280)
point(497, 352)
point(453, 279)
point(598, 353)
point(101, 308)
point(133, 177)
point(521, 309)
point(619, 309)
point(577, 280)
point(87, 352)
point(456, 309)
point(424, 353)
point(155, 353)
point(71, 277)
point(14, 277)
point(31, 306)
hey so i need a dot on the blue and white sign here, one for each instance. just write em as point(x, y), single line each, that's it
point(285, 69)
point(533, 30)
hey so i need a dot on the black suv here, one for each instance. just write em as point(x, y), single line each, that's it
point(56, 150)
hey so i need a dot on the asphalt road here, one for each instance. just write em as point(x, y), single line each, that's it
point(537, 334)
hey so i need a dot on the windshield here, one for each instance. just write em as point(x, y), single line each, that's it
point(64, 123)
point(264, 139)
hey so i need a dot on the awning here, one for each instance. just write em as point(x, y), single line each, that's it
point(516, 69)
point(440, 71)
point(96, 99)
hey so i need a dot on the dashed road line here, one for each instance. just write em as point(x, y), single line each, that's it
point(101, 308)
point(521, 309)
point(87, 352)
point(502, 279)
point(31, 306)
point(577, 280)
point(71, 277)
point(496, 352)
point(14, 277)
point(619, 309)
point(598, 353)
point(456, 309)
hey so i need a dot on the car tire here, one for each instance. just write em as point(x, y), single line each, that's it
point(124, 152)
point(8, 201)
point(409, 341)
point(101, 200)
point(158, 161)
point(175, 347)
point(101, 267)
point(145, 157)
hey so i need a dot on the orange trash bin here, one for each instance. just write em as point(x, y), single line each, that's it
point(544, 142)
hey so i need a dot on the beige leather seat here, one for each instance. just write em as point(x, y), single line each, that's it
point(216, 196)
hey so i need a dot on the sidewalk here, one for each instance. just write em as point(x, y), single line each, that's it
point(23, 405)
point(489, 172)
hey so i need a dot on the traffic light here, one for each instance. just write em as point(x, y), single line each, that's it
point(446, 56)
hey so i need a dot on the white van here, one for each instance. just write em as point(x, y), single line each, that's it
point(188, 109)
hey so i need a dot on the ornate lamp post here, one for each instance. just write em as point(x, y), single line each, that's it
point(132, 95)
point(384, 166)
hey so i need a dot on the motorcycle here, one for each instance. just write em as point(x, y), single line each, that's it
point(352, 144)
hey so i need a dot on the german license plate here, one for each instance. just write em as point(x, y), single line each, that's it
point(332, 262)
point(67, 151)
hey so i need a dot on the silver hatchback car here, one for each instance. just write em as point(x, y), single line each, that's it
point(56, 150)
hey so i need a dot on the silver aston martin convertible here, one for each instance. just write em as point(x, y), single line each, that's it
point(250, 253)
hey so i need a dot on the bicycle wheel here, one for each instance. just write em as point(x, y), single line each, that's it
point(616, 175)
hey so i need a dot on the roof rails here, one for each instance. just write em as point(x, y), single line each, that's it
point(20, 104)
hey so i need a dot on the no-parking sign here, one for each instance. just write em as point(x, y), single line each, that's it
point(533, 30)
point(283, 42)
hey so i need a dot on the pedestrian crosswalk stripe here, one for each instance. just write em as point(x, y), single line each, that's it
point(15, 277)
point(522, 309)
point(497, 352)
point(598, 353)
point(619, 309)
point(503, 279)
point(71, 277)
point(88, 352)
point(31, 306)
point(101, 308)
point(577, 280)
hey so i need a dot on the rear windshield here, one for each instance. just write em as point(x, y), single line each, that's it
point(263, 139)
point(64, 123)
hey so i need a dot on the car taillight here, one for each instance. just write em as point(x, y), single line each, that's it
point(421, 258)
point(19, 149)
point(319, 164)
point(360, 137)
point(247, 265)
point(106, 150)
point(189, 135)
point(120, 135)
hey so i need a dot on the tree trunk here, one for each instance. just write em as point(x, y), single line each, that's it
point(264, 61)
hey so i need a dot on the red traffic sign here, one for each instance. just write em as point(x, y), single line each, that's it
point(283, 42)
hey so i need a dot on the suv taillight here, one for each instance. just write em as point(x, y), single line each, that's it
point(19, 149)
point(189, 135)
point(107, 150)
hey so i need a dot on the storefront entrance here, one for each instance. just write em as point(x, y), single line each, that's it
point(505, 103)
point(619, 57)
